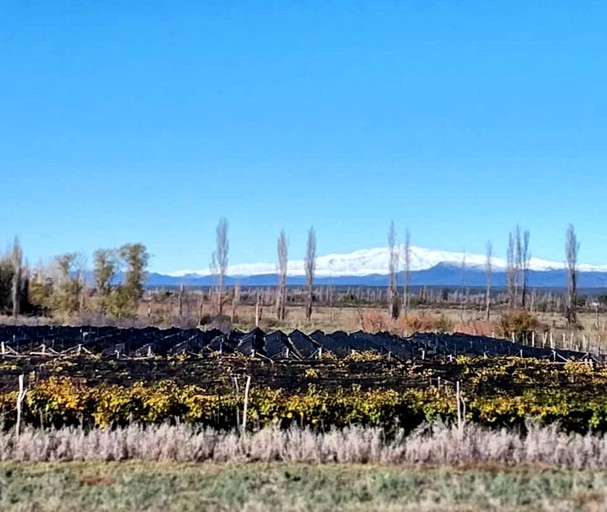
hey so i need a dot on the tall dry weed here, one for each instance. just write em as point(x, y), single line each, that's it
point(432, 444)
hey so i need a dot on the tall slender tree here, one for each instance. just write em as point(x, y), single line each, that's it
point(310, 268)
point(219, 263)
point(572, 248)
point(463, 294)
point(518, 265)
point(488, 271)
point(511, 271)
point(525, 261)
point(393, 299)
point(17, 261)
point(406, 271)
point(518, 258)
point(135, 259)
point(283, 260)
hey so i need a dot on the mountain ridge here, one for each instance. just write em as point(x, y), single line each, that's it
point(365, 262)
point(369, 267)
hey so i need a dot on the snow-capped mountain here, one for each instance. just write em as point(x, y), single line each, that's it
point(366, 262)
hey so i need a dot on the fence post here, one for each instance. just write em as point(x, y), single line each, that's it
point(20, 398)
point(458, 398)
point(236, 387)
point(246, 404)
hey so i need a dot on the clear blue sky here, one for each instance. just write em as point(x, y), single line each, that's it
point(149, 120)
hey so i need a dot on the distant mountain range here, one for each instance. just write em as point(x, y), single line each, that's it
point(369, 267)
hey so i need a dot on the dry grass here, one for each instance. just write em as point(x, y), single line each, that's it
point(431, 445)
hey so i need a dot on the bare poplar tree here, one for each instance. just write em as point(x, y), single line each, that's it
point(283, 259)
point(235, 300)
point(572, 248)
point(80, 268)
point(525, 260)
point(407, 271)
point(17, 263)
point(219, 263)
point(393, 301)
point(463, 287)
point(310, 268)
point(518, 264)
point(510, 271)
point(488, 270)
point(180, 301)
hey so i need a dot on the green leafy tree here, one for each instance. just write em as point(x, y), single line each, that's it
point(40, 291)
point(125, 300)
point(66, 299)
point(106, 267)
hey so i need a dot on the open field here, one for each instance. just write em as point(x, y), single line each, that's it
point(295, 487)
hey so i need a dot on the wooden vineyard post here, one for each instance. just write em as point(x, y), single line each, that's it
point(246, 404)
point(237, 388)
point(461, 407)
point(20, 398)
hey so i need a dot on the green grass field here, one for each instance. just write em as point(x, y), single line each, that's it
point(253, 487)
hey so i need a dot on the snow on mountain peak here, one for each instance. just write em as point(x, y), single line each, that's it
point(365, 262)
